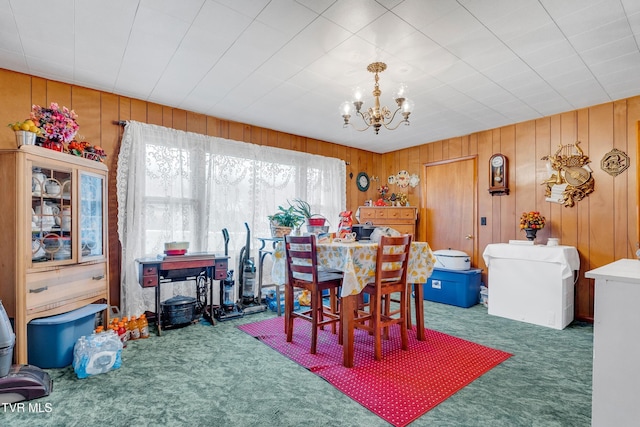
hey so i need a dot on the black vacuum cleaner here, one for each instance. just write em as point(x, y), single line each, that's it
point(228, 308)
point(251, 303)
point(18, 382)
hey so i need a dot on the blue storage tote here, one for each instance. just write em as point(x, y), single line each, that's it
point(50, 340)
point(454, 287)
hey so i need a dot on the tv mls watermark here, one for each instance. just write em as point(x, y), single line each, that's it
point(30, 407)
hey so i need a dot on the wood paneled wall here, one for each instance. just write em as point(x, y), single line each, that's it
point(604, 227)
point(98, 113)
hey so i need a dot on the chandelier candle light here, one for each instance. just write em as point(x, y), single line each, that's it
point(377, 116)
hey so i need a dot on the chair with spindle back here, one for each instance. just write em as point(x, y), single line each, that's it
point(303, 273)
point(391, 278)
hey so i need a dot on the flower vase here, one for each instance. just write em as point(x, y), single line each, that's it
point(531, 233)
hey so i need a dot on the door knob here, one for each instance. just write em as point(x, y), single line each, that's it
point(468, 237)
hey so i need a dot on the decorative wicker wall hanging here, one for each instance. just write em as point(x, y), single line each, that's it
point(570, 176)
point(614, 162)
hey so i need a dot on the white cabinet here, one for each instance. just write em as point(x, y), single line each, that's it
point(54, 230)
point(616, 344)
point(533, 284)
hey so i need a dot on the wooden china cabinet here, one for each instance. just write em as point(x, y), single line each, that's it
point(53, 256)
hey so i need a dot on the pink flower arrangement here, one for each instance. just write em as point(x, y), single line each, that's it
point(55, 124)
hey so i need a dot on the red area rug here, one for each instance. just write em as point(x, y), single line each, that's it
point(401, 387)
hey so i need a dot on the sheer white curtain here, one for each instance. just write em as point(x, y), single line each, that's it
point(181, 186)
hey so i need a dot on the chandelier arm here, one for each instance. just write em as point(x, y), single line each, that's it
point(388, 122)
point(405, 120)
point(358, 129)
point(397, 125)
point(366, 119)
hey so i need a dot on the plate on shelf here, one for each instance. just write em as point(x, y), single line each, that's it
point(173, 252)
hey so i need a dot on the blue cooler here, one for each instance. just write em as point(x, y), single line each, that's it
point(454, 287)
point(50, 340)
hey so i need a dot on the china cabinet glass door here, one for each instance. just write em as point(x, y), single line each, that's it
point(51, 207)
point(91, 215)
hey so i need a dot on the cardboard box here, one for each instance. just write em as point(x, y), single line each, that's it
point(454, 287)
point(50, 340)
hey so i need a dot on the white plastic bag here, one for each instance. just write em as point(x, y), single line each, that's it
point(383, 231)
point(97, 354)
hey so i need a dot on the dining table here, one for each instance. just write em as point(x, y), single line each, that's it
point(357, 261)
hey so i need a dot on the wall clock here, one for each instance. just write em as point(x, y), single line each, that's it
point(498, 175)
point(362, 181)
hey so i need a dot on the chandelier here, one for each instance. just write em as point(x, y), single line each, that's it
point(377, 116)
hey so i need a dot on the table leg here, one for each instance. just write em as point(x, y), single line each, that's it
point(210, 272)
point(288, 308)
point(349, 304)
point(158, 311)
point(419, 301)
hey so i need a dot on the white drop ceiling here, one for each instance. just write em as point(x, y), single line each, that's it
point(469, 65)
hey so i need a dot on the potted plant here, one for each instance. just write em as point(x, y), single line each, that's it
point(284, 221)
point(303, 208)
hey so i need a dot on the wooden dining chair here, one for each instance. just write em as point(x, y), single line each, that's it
point(303, 273)
point(391, 278)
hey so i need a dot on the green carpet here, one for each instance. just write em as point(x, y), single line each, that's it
point(219, 376)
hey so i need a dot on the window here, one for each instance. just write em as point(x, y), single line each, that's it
point(179, 186)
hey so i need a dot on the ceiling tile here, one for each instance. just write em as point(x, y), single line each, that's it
point(605, 34)
point(318, 38)
point(386, 31)
point(353, 15)
point(250, 8)
point(286, 16)
point(609, 51)
point(420, 13)
point(546, 38)
point(452, 26)
point(588, 15)
point(552, 52)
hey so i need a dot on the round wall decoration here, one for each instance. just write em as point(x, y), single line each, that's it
point(362, 181)
point(402, 179)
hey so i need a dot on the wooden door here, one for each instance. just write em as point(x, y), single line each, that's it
point(450, 197)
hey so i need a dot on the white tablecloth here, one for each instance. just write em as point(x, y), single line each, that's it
point(566, 256)
point(532, 283)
